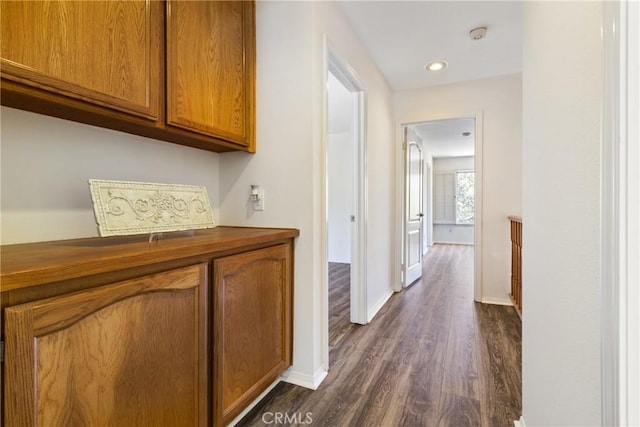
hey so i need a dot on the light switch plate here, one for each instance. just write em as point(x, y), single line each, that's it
point(258, 205)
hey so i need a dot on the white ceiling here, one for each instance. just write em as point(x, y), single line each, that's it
point(443, 138)
point(402, 36)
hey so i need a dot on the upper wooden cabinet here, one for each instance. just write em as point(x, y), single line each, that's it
point(209, 93)
point(179, 71)
point(104, 52)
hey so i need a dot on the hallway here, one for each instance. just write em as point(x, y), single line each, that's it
point(430, 357)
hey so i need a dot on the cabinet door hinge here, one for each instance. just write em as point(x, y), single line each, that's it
point(1, 351)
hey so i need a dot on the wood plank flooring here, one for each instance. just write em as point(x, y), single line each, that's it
point(430, 357)
point(339, 303)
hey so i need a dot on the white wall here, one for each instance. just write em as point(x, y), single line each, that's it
point(447, 164)
point(562, 81)
point(289, 162)
point(500, 101)
point(340, 203)
point(452, 233)
point(47, 161)
point(428, 200)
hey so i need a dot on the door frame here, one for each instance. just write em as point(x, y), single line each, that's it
point(428, 207)
point(401, 172)
point(620, 208)
point(358, 301)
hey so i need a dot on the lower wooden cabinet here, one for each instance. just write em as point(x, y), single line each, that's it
point(128, 354)
point(121, 332)
point(252, 318)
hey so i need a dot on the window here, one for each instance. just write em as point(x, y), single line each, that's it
point(465, 206)
point(454, 201)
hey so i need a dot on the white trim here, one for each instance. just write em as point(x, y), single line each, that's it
point(497, 301)
point(632, 294)
point(439, 242)
point(377, 306)
point(610, 333)
point(620, 221)
point(398, 247)
point(349, 78)
point(477, 231)
point(478, 117)
point(621, 380)
point(519, 423)
point(358, 309)
point(252, 405)
point(305, 380)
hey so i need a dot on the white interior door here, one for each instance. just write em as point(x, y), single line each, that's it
point(414, 208)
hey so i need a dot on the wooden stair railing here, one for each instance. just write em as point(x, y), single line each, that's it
point(516, 263)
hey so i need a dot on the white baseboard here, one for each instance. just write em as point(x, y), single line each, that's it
point(453, 243)
point(291, 377)
point(304, 380)
point(497, 301)
point(237, 419)
point(519, 423)
point(372, 311)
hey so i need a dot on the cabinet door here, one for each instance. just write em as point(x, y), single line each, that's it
point(104, 52)
point(128, 354)
point(210, 68)
point(252, 333)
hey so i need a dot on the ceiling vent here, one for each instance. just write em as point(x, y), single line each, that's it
point(478, 33)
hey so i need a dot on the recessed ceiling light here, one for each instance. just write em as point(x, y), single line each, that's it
point(435, 65)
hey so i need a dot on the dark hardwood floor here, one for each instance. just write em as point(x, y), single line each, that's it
point(430, 357)
point(339, 300)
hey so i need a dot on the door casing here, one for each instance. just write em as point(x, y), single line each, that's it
point(401, 205)
point(358, 301)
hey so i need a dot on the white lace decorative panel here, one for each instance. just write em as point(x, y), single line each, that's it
point(124, 208)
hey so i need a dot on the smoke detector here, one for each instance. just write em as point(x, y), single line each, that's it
point(478, 33)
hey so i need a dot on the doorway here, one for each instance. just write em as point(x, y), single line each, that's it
point(345, 215)
point(452, 194)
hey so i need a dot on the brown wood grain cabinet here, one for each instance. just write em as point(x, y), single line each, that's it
point(211, 93)
point(104, 52)
point(252, 314)
point(119, 331)
point(178, 71)
point(130, 353)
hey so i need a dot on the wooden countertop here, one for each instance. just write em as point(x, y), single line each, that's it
point(31, 264)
